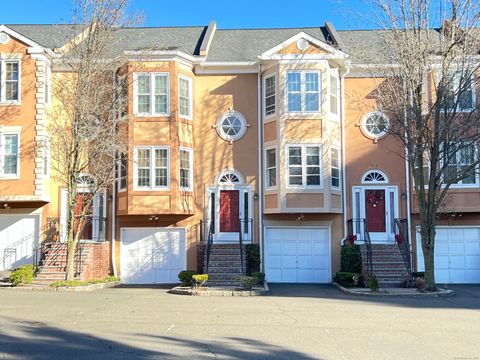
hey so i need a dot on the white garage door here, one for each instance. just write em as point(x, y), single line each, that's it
point(457, 255)
point(18, 235)
point(295, 255)
point(152, 255)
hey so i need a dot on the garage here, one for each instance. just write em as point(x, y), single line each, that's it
point(297, 255)
point(152, 255)
point(457, 255)
point(19, 234)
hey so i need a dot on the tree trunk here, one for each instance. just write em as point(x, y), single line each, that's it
point(428, 247)
point(71, 247)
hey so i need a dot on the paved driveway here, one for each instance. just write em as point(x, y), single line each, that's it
point(295, 322)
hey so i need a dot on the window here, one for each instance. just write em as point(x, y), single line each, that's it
point(270, 95)
point(334, 95)
point(271, 168)
point(185, 96)
point(122, 172)
point(151, 167)
point(9, 80)
point(304, 168)
point(374, 176)
point(9, 155)
point(231, 126)
point(461, 92)
point(186, 172)
point(48, 80)
point(151, 93)
point(375, 124)
point(461, 158)
point(45, 144)
point(303, 91)
point(335, 168)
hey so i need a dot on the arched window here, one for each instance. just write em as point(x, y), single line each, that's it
point(375, 177)
point(230, 177)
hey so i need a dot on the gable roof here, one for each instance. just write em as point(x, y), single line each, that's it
point(249, 44)
point(48, 35)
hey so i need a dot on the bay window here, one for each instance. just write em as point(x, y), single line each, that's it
point(271, 167)
point(269, 95)
point(9, 81)
point(9, 155)
point(303, 91)
point(151, 168)
point(304, 167)
point(335, 168)
point(185, 96)
point(186, 169)
point(151, 93)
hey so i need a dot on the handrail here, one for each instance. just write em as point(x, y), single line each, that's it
point(403, 243)
point(358, 227)
point(209, 244)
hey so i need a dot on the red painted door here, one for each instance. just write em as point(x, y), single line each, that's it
point(375, 210)
point(87, 231)
point(229, 211)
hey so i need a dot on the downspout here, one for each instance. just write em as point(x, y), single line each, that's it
point(343, 147)
point(407, 184)
point(260, 163)
point(114, 198)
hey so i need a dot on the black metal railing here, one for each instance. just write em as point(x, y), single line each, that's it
point(246, 229)
point(49, 233)
point(357, 231)
point(403, 242)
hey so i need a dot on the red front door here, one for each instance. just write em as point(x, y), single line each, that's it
point(87, 231)
point(375, 210)
point(229, 211)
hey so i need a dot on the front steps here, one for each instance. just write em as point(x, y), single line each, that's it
point(388, 264)
point(224, 264)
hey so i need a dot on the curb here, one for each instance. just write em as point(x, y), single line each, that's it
point(91, 287)
point(223, 292)
point(437, 294)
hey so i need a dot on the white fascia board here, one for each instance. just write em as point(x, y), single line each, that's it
point(162, 55)
point(227, 67)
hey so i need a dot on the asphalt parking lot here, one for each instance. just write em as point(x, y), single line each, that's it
point(294, 322)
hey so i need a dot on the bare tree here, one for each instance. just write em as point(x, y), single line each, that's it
point(87, 113)
point(429, 61)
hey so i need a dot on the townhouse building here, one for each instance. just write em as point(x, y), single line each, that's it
point(264, 136)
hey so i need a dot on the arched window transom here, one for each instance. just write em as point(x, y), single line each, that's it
point(230, 178)
point(374, 176)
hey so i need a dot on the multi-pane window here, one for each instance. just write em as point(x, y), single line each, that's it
point(9, 81)
point(459, 163)
point(303, 91)
point(151, 93)
point(335, 168)
point(185, 96)
point(122, 172)
point(461, 94)
point(9, 155)
point(334, 95)
point(270, 95)
point(304, 167)
point(271, 167)
point(186, 165)
point(151, 167)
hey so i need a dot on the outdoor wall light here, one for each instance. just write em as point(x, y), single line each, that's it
point(255, 196)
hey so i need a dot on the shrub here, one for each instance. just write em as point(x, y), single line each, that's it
point(252, 258)
point(373, 283)
point(185, 277)
point(351, 259)
point(199, 279)
point(76, 282)
point(23, 275)
point(418, 274)
point(247, 282)
point(346, 279)
point(260, 276)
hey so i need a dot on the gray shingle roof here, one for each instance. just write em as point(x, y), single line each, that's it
point(49, 36)
point(248, 44)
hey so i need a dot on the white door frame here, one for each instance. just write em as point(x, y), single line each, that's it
point(391, 211)
point(228, 237)
point(329, 228)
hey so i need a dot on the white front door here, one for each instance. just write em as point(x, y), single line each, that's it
point(19, 234)
point(378, 206)
point(457, 254)
point(297, 255)
point(152, 255)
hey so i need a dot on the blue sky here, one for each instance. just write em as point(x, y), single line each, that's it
point(227, 13)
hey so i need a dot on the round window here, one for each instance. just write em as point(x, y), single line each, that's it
point(231, 126)
point(375, 124)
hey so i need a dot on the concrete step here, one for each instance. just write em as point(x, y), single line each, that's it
point(223, 276)
point(222, 270)
point(50, 275)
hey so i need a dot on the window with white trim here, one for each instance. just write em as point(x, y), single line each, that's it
point(46, 155)
point(9, 80)
point(48, 82)
point(459, 163)
point(186, 169)
point(303, 91)
point(334, 94)
point(461, 92)
point(271, 167)
point(185, 96)
point(335, 167)
point(9, 155)
point(269, 85)
point(151, 167)
point(304, 167)
point(151, 93)
point(122, 172)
